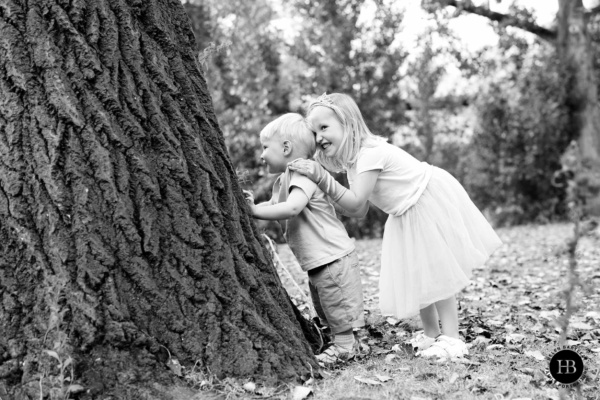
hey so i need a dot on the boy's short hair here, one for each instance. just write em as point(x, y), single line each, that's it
point(292, 127)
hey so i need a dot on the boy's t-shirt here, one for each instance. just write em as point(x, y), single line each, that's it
point(315, 236)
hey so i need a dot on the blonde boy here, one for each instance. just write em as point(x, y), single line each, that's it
point(314, 233)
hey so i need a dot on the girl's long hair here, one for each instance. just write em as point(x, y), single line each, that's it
point(356, 132)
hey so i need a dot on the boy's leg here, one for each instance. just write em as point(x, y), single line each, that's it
point(314, 295)
point(339, 289)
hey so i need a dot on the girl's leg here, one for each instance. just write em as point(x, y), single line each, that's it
point(430, 320)
point(448, 313)
point(449, 345)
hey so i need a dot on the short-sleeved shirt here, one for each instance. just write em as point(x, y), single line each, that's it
point(401, 181)
point(315, 236)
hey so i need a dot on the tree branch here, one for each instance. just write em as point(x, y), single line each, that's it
point(541, 32)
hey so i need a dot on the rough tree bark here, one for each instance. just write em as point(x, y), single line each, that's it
point(124, 237)
point(574, 48)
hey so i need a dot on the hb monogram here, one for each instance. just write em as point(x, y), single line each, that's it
point(566, 367)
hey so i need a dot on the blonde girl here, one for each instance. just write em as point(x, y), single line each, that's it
point(434, 235)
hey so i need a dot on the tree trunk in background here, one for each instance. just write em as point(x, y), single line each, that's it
point(576, 54)
point(574, 48)
point(124, 236)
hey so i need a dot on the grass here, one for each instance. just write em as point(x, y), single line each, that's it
point(508, 315)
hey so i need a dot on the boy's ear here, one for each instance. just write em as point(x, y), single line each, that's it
point(287, 147)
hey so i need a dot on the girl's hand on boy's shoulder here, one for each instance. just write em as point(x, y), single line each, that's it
point(311, 169)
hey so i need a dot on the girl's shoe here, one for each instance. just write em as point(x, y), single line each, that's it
point(445, 347)
point(421, 342)
point(334, 355)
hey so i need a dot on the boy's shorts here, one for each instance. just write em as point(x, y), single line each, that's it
point(336, 291)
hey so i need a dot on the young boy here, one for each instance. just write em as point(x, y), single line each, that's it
point(315, 235)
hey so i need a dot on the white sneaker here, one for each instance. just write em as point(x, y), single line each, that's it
point(445, 347)
point(421, 341)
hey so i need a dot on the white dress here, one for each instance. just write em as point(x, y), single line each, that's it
point(434, 236)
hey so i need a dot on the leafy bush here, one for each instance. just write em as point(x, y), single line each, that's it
point(522, 130)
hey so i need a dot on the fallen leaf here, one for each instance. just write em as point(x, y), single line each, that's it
point(527, 371)
point(480, 340)
point(453, 378)
point(584, 326)
point(537, 328)
point(52, 354)
point(552, 393)
point(515, 338)
point(265, 391)
point(383, 378)
point(301, 392)
point(549, 315)
point(595, 315)
point(465, 361)
point(367, 380)
point(249, 386)
point(389, 359)
point(174, 366)
point(535, 354)
point(425, 376)
point(75, 388)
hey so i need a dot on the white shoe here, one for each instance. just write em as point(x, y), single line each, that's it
point(421, 341)
point(445, 347)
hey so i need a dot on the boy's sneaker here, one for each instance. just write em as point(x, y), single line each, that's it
point(445, 347)
point(421, 342)
point(336, 354)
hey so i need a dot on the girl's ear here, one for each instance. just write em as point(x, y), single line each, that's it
point(287, 147)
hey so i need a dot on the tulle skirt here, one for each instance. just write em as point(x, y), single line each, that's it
point(428, 253)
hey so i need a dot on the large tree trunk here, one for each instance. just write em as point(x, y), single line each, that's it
point(575, 50)
point(124, 237)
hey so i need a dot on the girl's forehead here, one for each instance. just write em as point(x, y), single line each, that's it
point(320, 112)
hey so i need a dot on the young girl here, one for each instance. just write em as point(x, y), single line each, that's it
point(434, 235)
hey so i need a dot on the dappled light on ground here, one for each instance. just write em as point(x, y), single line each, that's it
point(509, 315)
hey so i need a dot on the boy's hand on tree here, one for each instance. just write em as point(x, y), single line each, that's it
point(311, 169)
point(249, 196)
point(250, 200)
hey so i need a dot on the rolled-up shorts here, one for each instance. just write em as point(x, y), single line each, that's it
point(336, 291)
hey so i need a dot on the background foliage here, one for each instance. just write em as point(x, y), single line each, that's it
point(501, 135)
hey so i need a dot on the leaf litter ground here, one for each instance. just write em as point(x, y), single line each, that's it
point(508, 315)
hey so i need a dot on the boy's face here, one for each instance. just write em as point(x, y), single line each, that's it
point(274, 154)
